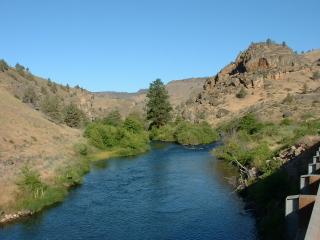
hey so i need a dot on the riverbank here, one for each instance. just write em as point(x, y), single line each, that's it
point(263, 152)
point(36, 194)
point(169, 192)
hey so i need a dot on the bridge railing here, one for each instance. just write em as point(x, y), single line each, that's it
point(303, 211)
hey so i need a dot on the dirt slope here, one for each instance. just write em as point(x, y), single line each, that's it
point(28, 138)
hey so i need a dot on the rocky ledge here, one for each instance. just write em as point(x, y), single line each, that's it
point(10, 217)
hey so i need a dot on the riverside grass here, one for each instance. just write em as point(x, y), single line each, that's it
point(105, 139)
point(254, 144)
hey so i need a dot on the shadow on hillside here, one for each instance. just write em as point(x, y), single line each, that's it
point(267, 196)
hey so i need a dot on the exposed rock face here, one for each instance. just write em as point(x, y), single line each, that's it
point(260, 61)
point(266, 72)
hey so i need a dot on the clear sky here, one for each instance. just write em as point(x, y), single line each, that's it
point(123, 45)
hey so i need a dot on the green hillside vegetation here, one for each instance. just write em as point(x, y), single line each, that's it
point(250, 143)
point(127, 137)
point(186, 133)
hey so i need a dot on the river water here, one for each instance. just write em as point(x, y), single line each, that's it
point(171, 192)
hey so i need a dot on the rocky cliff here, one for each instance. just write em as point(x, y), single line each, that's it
point(263, 74)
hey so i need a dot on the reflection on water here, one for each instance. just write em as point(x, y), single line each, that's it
point(172, 192)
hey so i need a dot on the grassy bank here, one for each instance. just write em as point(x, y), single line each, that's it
point(253, 146)
point(106, 138)
point(185, 133)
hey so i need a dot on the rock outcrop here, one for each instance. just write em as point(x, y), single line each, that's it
point(260, 77)
point(259, 62)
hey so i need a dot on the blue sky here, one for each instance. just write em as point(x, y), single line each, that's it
point(123, 45)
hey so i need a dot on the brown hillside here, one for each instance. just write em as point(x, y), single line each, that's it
point(260, 77)
point(28, 138)
point(179, 91)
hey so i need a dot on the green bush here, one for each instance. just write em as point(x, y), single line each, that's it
point(129, 138)
point(82, 149)
point(185, 133)
point(113, 118)
point(73, 116)
point(250, 124)
point(234, 151)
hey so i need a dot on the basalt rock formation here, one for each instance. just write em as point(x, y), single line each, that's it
point(259, 62)
point(264, 73)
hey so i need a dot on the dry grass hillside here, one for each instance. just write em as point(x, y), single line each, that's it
point(268, 78)
point(179, 91)
point(28, 138)
point(33, 90)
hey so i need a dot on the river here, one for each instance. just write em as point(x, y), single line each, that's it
point(171, 192)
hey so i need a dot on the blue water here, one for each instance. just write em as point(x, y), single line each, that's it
point(171, 192)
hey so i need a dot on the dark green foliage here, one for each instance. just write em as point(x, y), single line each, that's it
point(185, 133)
point(73, 116)
point(30, 96)
point(3, 65)
point(158, 105)
point(113, 118)
point(52, 107)
point(269, 194)
point(128, 138)
point(284, 44)
point(242, 93)
point(250, 124)
point(133, 124)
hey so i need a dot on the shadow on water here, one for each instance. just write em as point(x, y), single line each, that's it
point(267, 196)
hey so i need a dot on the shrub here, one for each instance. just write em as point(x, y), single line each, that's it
point(113, 118)
point(30, 96)
point(316, 75)
point(288, 99)
point(53, 87)
point(186, 133)
point(73, 116)
point(242, 93)
point(250, 124)
point(82, 149)
point(128, 138)
point(3, 65)
point(20, 68)
point(304, 88)
point(133, 124)
point(51, 106)
point(30, 182)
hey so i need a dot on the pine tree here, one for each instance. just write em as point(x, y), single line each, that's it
point(158, 105)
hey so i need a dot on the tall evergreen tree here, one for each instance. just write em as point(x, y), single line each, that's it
point(158, 105)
